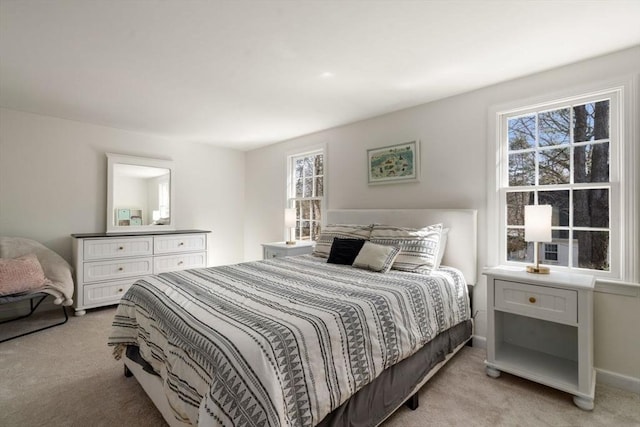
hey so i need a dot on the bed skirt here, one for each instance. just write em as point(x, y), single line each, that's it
point(375, 402)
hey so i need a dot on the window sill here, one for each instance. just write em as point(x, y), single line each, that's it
point(618, 287)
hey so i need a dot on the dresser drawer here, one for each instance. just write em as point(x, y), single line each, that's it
point(117, 248)
point(97, 271)
point(546, 303)
point(179, 243)
point(166, 263)
point(105, 293)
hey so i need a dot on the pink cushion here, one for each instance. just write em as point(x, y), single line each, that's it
point(21, 274)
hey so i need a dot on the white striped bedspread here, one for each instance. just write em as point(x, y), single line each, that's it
point(280, 342)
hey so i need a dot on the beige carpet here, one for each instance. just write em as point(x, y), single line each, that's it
point(66, 376)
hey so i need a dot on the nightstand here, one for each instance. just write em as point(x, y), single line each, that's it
point(280, 249)
point(540, 327)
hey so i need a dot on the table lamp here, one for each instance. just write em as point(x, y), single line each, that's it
point(537, 228)
point(289, 223)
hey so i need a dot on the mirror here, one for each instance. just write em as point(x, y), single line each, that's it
point(139, 194)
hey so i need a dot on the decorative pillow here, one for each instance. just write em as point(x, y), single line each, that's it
point(345, 231)
point(21, 274)
point(441, 247)
point(376, 257)
point(418, 248)
point(344, 251)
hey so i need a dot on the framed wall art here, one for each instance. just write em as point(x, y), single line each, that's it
point(394, 163)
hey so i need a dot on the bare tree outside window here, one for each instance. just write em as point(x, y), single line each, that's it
point(561, 157)
point(306, 193)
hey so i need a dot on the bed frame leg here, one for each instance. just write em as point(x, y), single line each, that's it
point(127, 372)
point(412, 402)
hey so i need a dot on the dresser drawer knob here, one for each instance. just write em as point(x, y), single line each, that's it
point(120, 290)
point(180, 262)
point(120, 268)
point(181, 244)
point(121, 248)
point(532, 300)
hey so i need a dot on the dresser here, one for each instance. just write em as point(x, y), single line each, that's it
point(280, 249)
point(106, 265)
point(540, 327)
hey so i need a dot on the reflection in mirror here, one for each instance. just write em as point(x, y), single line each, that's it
point(139, 194)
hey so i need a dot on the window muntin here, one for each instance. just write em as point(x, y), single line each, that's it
point(560, 155)
point(306, 193)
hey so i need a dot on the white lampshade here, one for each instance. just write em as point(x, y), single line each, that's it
point(537, 223)
point(289, 218)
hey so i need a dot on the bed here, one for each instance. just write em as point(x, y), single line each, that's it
point(299, 341)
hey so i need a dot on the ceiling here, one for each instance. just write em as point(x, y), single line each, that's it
point(244, 74)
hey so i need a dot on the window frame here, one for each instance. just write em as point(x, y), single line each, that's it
point(623, 220)
point(291, 185)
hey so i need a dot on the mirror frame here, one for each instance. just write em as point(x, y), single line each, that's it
point(112, 160)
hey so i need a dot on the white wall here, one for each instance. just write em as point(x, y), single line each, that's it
point(454, 148)
point(53, 181)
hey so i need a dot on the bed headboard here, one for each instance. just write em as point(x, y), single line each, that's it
point(461, 250)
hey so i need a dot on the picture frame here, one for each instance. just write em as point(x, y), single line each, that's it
point(399, 163)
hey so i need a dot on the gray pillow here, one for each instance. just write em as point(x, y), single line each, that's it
point(376, 257)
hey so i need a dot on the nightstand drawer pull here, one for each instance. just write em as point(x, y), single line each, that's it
point(120, 269)
point(121, 248)
point(120, 290)
point(532, 300)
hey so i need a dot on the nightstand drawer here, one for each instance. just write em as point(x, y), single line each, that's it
point(546, 303)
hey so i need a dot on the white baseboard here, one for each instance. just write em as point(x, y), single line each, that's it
point(620, 381)
point(479, 341)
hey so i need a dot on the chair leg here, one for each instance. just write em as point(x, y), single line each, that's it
point(32, 310)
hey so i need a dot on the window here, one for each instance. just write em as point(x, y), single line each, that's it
point(562, 154)
point(163, 199)
point(306, 192)
point(550, 252)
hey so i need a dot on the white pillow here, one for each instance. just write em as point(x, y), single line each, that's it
point(376, 257)
point(441, 247)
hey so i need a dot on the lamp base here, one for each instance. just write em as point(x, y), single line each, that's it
point(537, 269)
point(290, 242)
